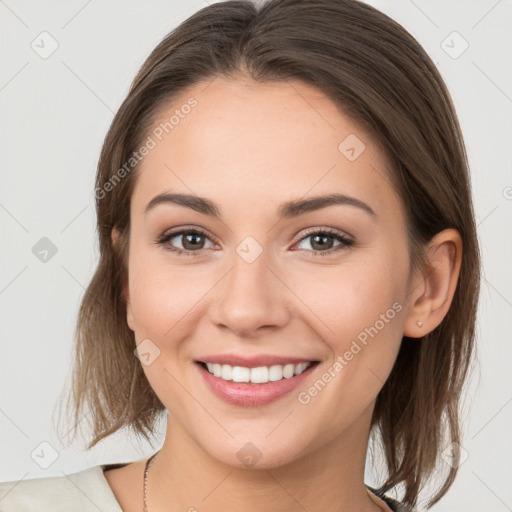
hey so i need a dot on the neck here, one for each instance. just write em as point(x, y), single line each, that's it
point(329, 477)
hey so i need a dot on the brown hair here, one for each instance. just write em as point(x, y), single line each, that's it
point(382, 78)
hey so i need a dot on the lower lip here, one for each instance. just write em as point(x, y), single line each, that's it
point(252, 395)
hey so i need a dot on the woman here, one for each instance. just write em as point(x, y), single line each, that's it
point(289, 266)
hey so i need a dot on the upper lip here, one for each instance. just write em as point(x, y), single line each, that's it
point(253, 361)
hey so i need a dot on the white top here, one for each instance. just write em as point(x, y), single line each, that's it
point(85, 491)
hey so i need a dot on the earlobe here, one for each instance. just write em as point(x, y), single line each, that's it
point(433, 293)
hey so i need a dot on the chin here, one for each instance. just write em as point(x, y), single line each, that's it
point(255, 452)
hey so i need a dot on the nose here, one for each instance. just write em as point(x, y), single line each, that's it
point(251, 299)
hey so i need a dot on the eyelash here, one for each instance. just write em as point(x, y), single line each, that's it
point(345, 242)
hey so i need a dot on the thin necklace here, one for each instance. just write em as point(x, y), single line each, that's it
point(146, 471)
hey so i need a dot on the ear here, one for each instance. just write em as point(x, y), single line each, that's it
point(126, 290)
point(431, 294)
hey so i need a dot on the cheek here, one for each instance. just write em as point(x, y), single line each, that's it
point(351, 297)
point(165, 296)
point(361, 322)
point(358, 310)
point(162, 299)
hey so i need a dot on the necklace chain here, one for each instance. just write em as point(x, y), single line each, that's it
point(146, 471)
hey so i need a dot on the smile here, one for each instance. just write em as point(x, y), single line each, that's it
point(253, 386)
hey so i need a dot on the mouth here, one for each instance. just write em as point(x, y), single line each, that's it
point(255, 385)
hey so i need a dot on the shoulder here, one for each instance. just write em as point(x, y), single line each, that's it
point(83, 491)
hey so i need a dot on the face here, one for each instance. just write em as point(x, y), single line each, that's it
point(322, 282)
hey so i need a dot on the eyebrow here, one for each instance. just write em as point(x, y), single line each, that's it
point(286, 210)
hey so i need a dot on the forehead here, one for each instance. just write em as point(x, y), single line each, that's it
point(249, 143)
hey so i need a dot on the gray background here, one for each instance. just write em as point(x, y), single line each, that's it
point(55, 112)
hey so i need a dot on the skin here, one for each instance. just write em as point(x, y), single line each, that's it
point(249, 147)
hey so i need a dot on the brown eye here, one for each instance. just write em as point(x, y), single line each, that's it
point(191, 240)
point(322, 242)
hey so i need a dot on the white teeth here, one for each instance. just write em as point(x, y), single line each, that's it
point(275, 373)
point(289, 370)
point(240, 374)
point(258, 375)
point(227, 372)
point(300, 368)
point(217, 369)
